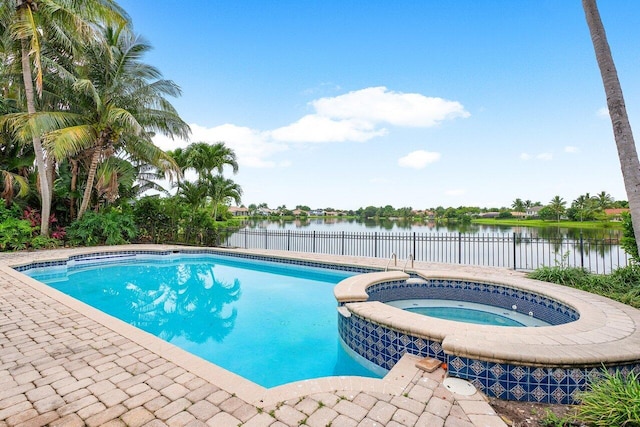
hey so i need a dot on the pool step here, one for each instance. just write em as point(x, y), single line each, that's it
point(428, 364)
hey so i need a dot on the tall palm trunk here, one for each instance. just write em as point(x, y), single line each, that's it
point(45, 187)
point(617, 111)
point(74, 187)
point(90, 178)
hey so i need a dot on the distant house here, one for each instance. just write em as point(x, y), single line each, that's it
point(298, 212)
point(317, 212)
point(331, 213)
point(265, 211)
point(238, 211)
point(533, 211)
point(615, 214)
point(518, 214)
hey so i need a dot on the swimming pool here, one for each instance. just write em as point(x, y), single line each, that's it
point(265, 321)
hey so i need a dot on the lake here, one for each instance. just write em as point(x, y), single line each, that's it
point(404, 226)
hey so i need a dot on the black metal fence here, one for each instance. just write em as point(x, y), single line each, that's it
point(517, 251)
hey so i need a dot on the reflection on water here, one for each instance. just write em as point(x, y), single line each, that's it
point(405, 225)
point(185, 300)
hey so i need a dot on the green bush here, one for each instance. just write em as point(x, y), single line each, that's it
point(43, 242)
point(622, 285)
point(568, 276)
point(15, 234)
point(628, 240)
point(613, 400)
point(111, 227)
point(151, 220)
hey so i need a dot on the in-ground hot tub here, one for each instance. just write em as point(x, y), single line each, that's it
point(541, 364)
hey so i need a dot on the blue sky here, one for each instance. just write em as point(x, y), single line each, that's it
point(420, 103)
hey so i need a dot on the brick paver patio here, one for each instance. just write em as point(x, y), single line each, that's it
point(65, 364)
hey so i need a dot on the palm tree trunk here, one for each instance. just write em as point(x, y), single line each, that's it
point(74, 187)
point(45, 192)
point(617, 111)
point(90, 178)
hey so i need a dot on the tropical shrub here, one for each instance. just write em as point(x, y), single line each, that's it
point(622, 285)
point(12, 211)
point(33, 216)
point(613, 400)
point(110, 227)
point(151, 219)
point(44, 242)
point(15, 234)
point(628, 240)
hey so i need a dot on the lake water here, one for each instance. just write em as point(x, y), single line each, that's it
point(404, 226)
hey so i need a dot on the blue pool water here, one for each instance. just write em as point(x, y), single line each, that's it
point(466, 315)
point(270, 323)
point(468, 312)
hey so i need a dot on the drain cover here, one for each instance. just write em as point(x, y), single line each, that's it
point(458, 386)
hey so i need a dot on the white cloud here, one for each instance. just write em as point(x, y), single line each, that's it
point(315, 128)
point(525, 156)
point(571, 149)
point(360, 115)
point(253, 148)
point(455, 192)
point(380, 105)
point(418, 159)
point(603, 113)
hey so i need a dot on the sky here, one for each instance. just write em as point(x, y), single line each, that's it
point(420, 103)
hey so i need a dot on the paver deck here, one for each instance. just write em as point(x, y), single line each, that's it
point(63, 363)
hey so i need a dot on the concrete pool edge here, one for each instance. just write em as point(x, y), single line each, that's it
point(393, 383)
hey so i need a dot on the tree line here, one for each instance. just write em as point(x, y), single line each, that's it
point(584, 208)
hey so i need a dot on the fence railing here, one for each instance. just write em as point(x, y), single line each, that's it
point(516, 251)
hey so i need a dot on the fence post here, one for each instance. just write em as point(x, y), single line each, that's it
point(288, 240)
point(414, 246)
point(581, 251)
point(375, 244)
point(342, 249)
point(515, 266)
point(266, 238)
point(459, 248)
point(313, 249)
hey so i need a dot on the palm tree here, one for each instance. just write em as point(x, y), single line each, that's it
point(584, 205)
point(194, 195)
point(221, 190)
point(32, 23)
point(124, 105)
point(622, 132)
point(205, 158)
point(603, 200)
point(518, 205)
point(557, 206)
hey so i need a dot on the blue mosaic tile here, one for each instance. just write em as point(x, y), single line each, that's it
point(541, 307)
